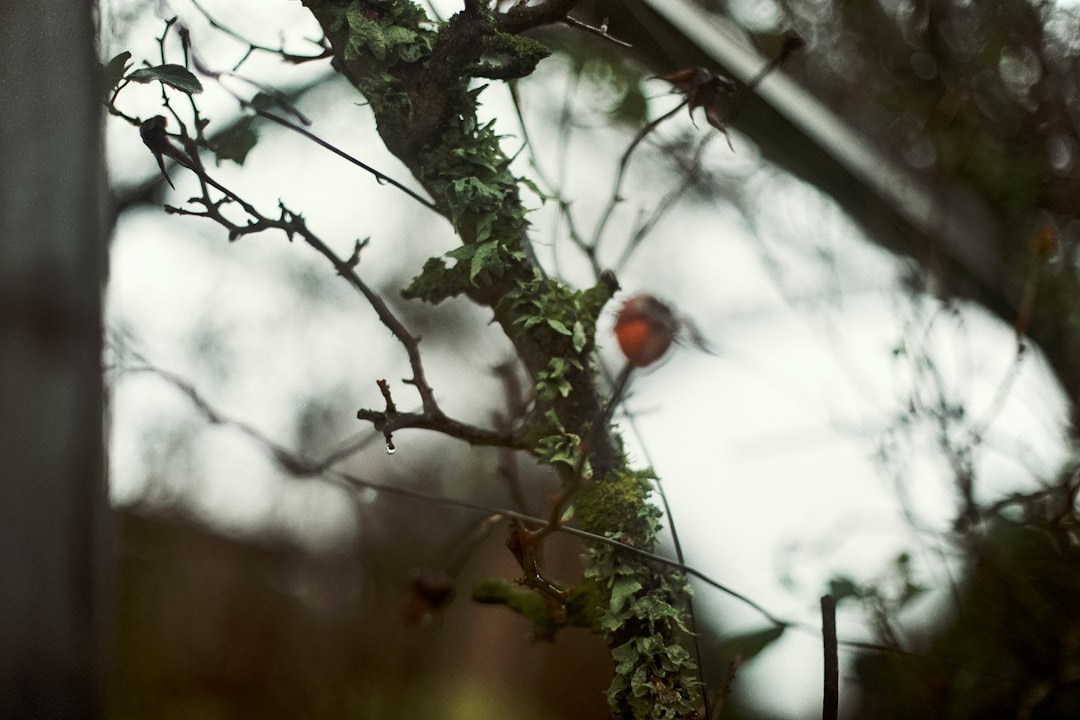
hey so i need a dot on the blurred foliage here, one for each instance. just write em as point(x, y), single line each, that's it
point(980, 99)
point(984, 92)
point(208, 626)
point(1012, 647)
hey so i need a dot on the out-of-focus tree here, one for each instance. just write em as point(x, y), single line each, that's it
point(977, 103)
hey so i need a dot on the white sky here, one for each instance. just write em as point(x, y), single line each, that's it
point(768, 447)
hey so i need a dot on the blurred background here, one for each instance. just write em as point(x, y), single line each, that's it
point(880, 249)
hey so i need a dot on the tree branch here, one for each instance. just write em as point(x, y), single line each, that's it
point(522, 17)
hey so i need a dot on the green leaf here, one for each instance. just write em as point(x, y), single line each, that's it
point(236, 142)
point(625, 656)
point(579, 336)
point(364, 34)
point(113, 71)
point(462, 252)
point(485, 254)
point(558, 327)
point(544, 197)
point(176, 76)
point(483, 228)
point(397, 35)
point(745, 646)
point(622, 590)
point(559, 449)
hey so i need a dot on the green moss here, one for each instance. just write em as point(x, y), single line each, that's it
point(417, 80)
point(618, 504)
point(510, 56)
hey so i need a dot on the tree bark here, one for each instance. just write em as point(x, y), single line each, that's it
point(53, 500)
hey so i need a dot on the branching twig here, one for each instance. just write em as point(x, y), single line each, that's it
point(624, 162)
point(293, 224)
point(255, 47)
point(389, 422)
point(667, 203)
point(379, 177)
point(289, 461)
point(601, 31)
point(300, 467)
point(325, 468)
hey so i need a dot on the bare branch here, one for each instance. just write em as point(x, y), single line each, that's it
point(326, 52)
point(325, 468)
point(287, 459)
point(388, 422)
point(293, 224)
point(379, 177)
point(831, 694)
point(601, 31)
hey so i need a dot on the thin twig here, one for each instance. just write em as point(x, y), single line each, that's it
point(438, 422)
point(667, 204)
point(252, 47)
point(295, 465)
point(725, 689)
point(550, 191)
point(624, 162)
point(381, 178)
point(601, 31)
point(299, 467)
point(522, 17)
point(831, 694)
point(294, 224)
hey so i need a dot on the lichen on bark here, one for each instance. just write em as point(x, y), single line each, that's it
point(419, 78)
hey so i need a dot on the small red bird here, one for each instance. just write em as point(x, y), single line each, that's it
point(645, 328)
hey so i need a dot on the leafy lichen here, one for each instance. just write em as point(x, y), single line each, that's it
point(416, 76)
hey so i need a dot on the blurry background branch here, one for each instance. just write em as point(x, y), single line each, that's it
point(970, 217)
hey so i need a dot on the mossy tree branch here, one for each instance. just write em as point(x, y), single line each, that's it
point(417, 81)
point(418, 78)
